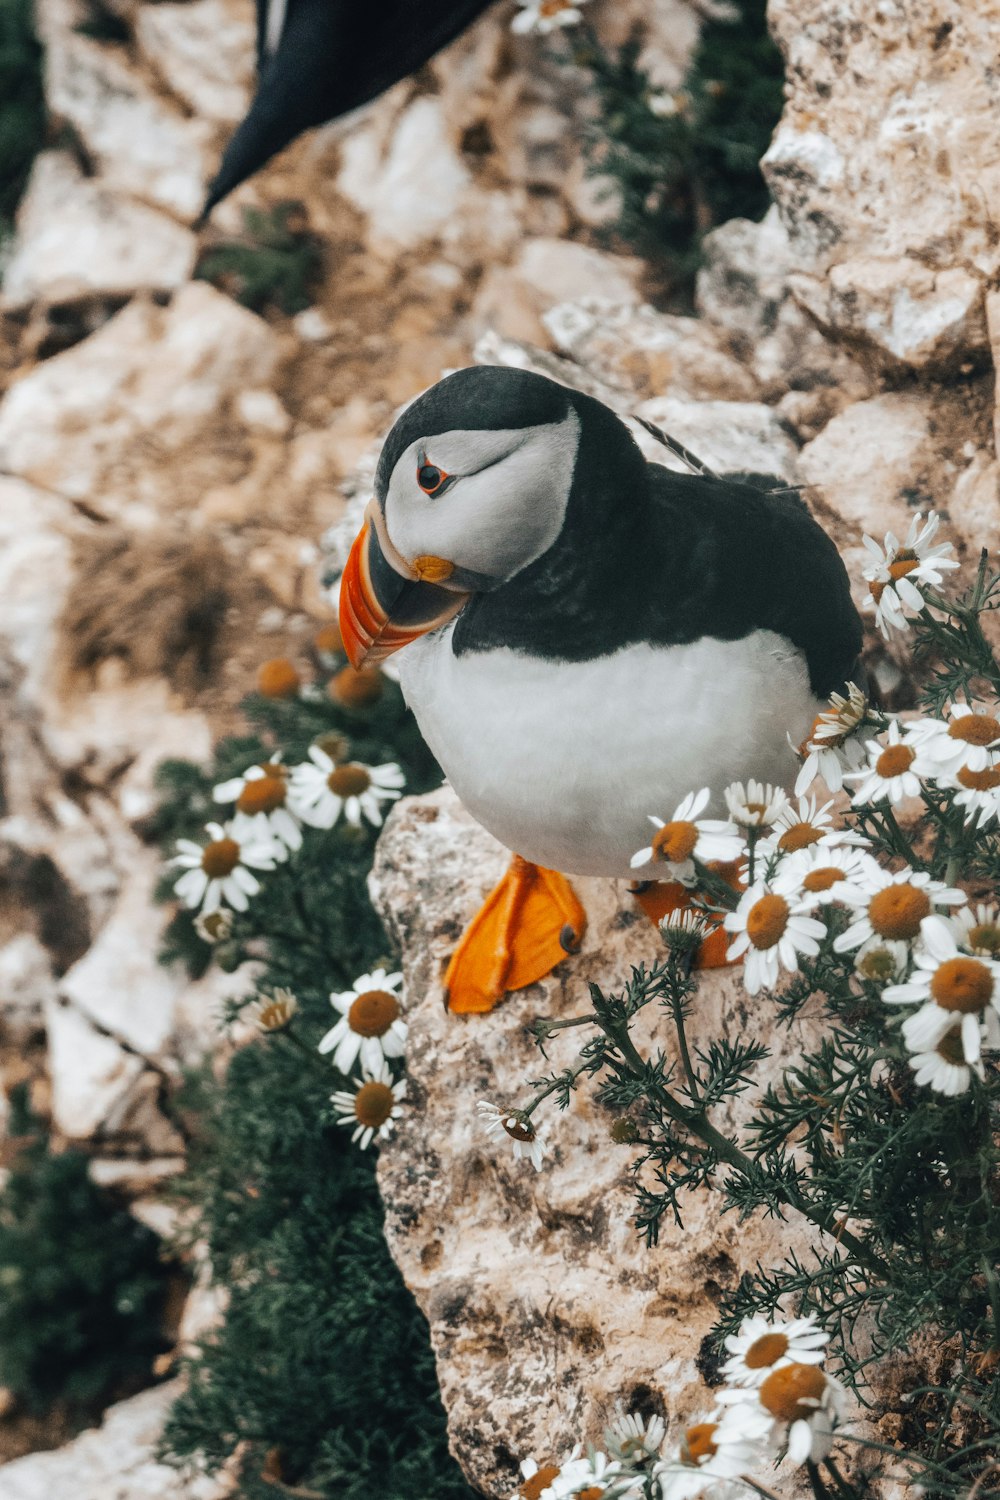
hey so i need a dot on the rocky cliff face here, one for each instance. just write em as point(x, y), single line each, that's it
point(168, 461)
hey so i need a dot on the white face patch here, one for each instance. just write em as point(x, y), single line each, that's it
point(504, 509)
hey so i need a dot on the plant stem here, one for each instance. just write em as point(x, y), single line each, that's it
point(819, 1489)
point(698, 1123)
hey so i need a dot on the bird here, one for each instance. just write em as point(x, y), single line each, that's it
point(319, 59)
point(584, 637)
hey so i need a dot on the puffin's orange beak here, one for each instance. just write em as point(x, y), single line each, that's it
point(385, 604)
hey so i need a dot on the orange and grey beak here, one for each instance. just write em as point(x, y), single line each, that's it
point(387, 602)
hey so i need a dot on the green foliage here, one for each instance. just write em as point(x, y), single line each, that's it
point(321, 1375)
point(276, 263)
point(679, 174)
point(903, 1179)
point(22, 103)
point(82, 1284)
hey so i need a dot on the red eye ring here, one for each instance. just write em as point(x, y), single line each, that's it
point(430, 477)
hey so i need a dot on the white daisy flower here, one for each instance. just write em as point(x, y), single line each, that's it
point(586, 1477)
point(373, 1107)
point(320, 790)
point(631, 1439)
point(678, 843)
point(537, 1478)
point(805, 1405)
point(896, 569)
point(261, 798)
point(220, 871)
point(804, 824)
point(719, 1448)
point(544, 16)
point(772, 928)
point(943, 1068)
point(954, 991)
point(977, 793)
point(762, 1346)
point(880, 960)
point(755, 804)
point(831, 747)
point(892, 907)
point(527, 1140)
point(214, 926)
point(969, 742)
point(889, 773)
point(978, 929)
point(274, 1012)
point(370, 1025)
point(686, 929)
point(825, 871)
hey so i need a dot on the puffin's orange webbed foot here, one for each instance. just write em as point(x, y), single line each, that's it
point(527, 924)
point(662, 897)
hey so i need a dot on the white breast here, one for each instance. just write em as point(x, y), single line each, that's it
point(563, 761)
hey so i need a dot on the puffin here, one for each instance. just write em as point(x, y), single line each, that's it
point(319, 59)
point(585, 637)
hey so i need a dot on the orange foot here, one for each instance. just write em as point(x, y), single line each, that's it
point(661, 897)
point(527, 924)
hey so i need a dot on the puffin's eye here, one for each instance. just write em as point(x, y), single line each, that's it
point(430, 478)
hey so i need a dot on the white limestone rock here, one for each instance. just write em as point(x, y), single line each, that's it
point(141, 144)
point(204, 52)
point(116, 1461)
point(77, 239)
point(84, 421)
point(729, 436)
point(27, 985)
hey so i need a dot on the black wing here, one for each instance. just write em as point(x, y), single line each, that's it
point(332, 56)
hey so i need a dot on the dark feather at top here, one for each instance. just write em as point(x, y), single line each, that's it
point(649, 555)
point(332, 56)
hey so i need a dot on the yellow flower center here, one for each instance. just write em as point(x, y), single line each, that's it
point(765, 1351)
point(823, 878)
point(675, 842)
point(518, 1129)
point(904, 563)
point(767, 920)
point(532, 1488)
point(699, 1443)
point(985, 938)
point(793, 1392)
point(373, 1012)
point(592, 1492)
point(877, 964)
point(356, 689)
point(329, 639)
point(553, 7)
point(978, 781)
point(975, 729)
point(220, 858)
point(262, 795)
point(275, 1015)
point(799, 836)
point(898, 911)
point(894, 760)
point(349, 780)
point(962, 984)
point(373, 1104)
point(333, 744)
point(278, 678)
point(876, 588)
point(950, 1047)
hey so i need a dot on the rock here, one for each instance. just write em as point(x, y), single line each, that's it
point(77, 239)
point(511, 299)
point(83, 422)
point(648, 353)
point(118, 983)
point(410, 186)
point(544, 1305)
point(204, 52)
point(27, 985)
point(139, 143)
point(729, 436)
point(744, 291)
point(915, 316)
point(116, 1461)
point(884, 168)
point(866, 460)
point(36, 531)
point(93, 1078)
